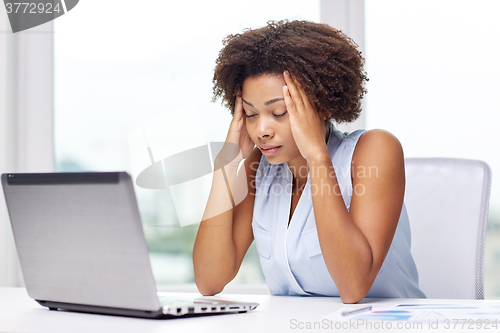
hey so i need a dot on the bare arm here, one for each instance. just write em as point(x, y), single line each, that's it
point(225, 233)
point(355, 242)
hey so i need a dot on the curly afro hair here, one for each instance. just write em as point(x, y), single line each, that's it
point(324, 61)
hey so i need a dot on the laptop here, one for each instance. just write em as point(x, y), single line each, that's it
point(81, 247)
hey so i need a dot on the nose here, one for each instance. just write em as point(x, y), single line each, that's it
point(264, 128)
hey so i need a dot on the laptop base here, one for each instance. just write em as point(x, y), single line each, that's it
point(54, 306)
point(103, 310)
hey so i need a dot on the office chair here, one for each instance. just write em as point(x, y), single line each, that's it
point(447, 202)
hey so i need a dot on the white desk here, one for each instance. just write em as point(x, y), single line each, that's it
point(19, 313)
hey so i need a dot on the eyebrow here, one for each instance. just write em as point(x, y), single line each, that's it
point(266, 103)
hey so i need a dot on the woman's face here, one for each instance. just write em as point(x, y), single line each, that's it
point(267, 119)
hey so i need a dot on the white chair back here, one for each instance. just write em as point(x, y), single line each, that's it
point(447, 201)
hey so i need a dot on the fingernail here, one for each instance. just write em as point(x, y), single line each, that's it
point(287, 74)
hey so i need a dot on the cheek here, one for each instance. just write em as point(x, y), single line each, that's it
point(250, 130)
point(292, 142)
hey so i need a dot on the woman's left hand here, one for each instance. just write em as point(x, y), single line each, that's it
point(306, 125)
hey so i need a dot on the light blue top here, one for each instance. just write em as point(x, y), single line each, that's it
point(291, 257)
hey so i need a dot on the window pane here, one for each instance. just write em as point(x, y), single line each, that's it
point(434, 69)
point(119, 64)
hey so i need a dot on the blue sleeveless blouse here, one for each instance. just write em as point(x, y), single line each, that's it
point(290, 255)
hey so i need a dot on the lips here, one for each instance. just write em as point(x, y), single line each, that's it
point(269, 149)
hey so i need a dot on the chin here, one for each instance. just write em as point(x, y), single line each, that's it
point(275, 160)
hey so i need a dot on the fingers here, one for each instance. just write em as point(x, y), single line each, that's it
point(290, 106)
point(290, 97)
point(305, 99)
point(238, 108)
point(292, 91)
point(238, 116)
point(296, 93)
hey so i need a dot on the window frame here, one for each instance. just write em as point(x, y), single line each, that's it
point(26, 119)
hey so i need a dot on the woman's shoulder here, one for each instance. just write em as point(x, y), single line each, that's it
point(377, 141)
point(378, 147)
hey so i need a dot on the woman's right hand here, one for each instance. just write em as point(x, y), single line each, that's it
point(238, 145)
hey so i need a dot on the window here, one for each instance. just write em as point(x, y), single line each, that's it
point(119, 64)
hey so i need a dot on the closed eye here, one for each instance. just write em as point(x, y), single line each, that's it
point(280, 115)
point(248, 115)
